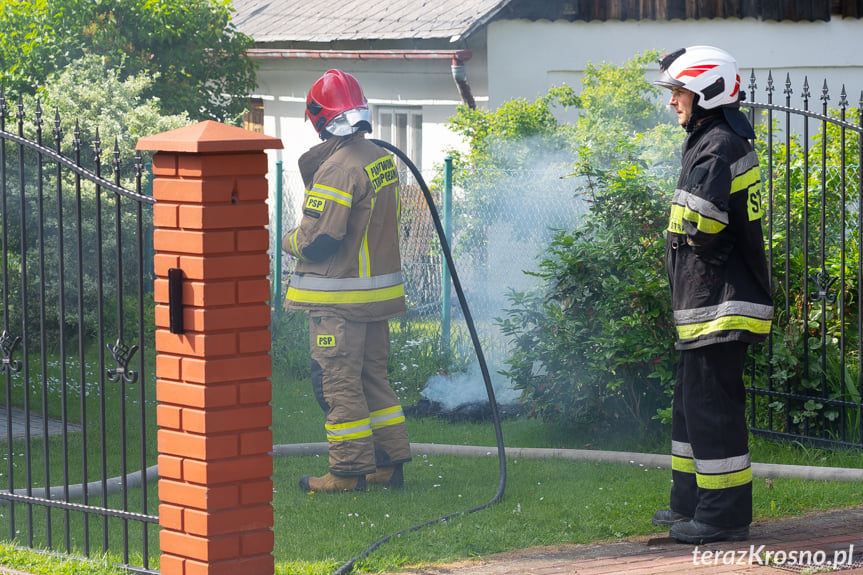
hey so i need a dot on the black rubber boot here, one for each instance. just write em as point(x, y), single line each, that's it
point(698, 533)
point(667, 517)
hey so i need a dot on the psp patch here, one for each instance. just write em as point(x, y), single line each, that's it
point(326, 341)
point(314, 206)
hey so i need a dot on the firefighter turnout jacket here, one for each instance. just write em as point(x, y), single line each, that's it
point(348, 277)
point(717, 270)
point(347, 242)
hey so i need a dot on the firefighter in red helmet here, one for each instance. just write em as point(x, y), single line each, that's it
point(349, 279)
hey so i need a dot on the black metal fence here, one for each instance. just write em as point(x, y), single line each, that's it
point(806, 382)
point(77, 352)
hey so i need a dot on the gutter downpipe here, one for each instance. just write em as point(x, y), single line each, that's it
point(457, 58)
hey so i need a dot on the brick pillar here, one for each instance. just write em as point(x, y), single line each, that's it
point(213, 379)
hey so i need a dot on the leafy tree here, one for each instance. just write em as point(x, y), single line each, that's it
point(82, 99)
point(516, 134)
point(192, 47)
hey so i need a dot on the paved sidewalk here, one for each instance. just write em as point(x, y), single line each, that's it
point(816, 538)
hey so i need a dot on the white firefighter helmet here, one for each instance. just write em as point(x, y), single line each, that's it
point(709, 72)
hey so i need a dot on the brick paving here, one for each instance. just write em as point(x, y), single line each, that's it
point(822, 537)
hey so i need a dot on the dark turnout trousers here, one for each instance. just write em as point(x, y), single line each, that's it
point(710, 441)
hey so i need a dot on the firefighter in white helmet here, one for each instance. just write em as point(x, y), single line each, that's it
point(348, 277)
point(720, 292)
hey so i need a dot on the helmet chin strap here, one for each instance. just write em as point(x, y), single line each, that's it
point(698, 114)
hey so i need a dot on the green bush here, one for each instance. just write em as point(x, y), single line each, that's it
point(816, 287)
point(598, 347)
point(595, 344)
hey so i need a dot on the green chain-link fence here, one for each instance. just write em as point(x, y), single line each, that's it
point(501, 223)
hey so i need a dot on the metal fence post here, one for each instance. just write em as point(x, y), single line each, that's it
point(445, 279)
point(277, 245)
point(213, 372)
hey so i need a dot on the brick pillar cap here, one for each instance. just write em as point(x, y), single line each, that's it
point(209, 137)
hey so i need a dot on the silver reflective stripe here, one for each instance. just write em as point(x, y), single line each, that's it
point(705, 208)
point(719, 466)
point(387, 417)
point(744, 164)
point(679, 196)
point(681, 449)
point(315, 283)
point(331, 193)
point(707, 313)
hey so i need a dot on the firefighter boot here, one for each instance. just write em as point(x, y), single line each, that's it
point(387, 472)
point(699, 533)
point(330, 483)
point(391, 476)
point(668, 517)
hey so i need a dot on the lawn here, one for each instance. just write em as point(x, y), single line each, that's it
point(545, 501)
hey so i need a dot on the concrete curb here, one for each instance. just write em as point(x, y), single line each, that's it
point(94, 488)
point(772, 470)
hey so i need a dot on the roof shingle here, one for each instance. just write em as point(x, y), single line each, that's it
point(297, 21)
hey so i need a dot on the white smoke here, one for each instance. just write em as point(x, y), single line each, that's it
point(468, 388)
point(525, 208)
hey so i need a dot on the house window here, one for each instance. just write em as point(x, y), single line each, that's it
point(253, 120)
point(403, 128)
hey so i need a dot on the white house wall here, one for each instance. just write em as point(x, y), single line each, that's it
point(527, 58)
point(425, 85)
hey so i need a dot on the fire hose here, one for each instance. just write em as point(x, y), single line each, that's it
point(495, 414)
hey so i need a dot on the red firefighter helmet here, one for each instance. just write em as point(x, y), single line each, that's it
point(337, 106)
point(709, 72)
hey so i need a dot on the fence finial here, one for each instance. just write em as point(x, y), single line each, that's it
point(58, 131)
point(76, 139)
point(752, 86)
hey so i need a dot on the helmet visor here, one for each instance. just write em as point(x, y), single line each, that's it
point(349, 122)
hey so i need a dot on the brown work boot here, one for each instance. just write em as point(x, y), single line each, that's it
point(391, 476)
point(330, 483)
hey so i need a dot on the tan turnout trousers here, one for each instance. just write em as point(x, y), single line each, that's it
point(364, 421)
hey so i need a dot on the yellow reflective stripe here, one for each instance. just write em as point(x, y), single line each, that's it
point(682, 464)
point(340, 297)
point(723, 324)
point(329, 193)
point(725, 480)
point(386, 417)
point(746, 180)
point(675, 221)
point(294, 246)
point(703, 224)
point(350, 430)
point(365, 265)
